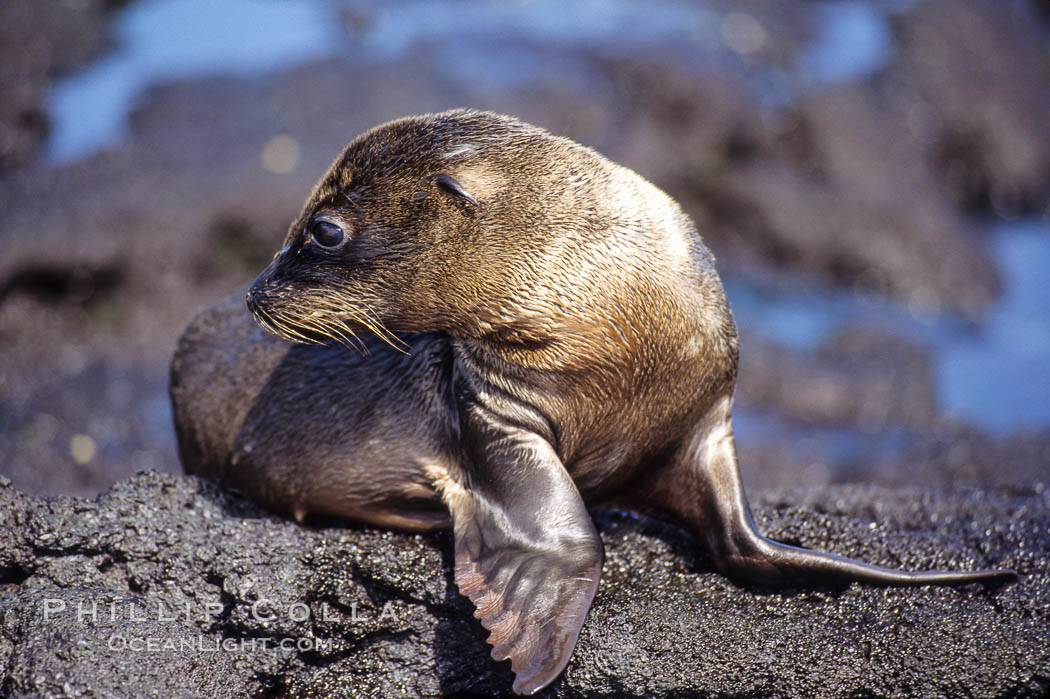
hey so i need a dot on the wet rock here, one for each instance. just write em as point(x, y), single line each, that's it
point(972, 78)
point(838, 189)
point(78, 425)
point(38, 42)
point(208, 579)
point(833, 185)
point(862, 377)
point(959, 454)
point(782, 453)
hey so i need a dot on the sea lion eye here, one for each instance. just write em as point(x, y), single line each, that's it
point(326, 234)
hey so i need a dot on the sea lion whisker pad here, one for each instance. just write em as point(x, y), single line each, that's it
point(566, 343)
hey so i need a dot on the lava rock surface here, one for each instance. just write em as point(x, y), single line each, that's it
point(167, 585)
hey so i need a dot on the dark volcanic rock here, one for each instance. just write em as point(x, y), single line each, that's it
point(837, 187)
point(173, 567)
point(973, 76)
point(38, 41)
point(863, 376)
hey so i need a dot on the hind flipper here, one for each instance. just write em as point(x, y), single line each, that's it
point(709, 500)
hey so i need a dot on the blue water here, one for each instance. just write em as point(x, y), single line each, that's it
point(491, 43)
point(995, 375)
point(853, 41)
point(828, 444)
point(999, 376)
point(164, 40)
point(394, 27)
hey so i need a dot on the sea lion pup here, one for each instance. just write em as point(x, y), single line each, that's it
point(563, 341)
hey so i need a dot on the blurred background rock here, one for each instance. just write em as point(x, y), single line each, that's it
point(873, 175)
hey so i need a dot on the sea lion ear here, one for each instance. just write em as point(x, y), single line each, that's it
point(527, 553)
point(452, 186)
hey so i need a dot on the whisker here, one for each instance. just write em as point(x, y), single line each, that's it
point(338, 332)
point(385, 334)
point(331, 320)
point(361, 346)
point(293, 327)
point(278, 327)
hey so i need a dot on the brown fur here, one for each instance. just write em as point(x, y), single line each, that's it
point(539, 330)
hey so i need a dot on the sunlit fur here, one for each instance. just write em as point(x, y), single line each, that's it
point(328, 319)
point(565, 343)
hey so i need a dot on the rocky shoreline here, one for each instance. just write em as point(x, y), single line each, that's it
point(876, 186)
point(167, 585)
point(860, 186)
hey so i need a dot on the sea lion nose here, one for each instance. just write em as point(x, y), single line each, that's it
point(257, 292)
point(255, 295)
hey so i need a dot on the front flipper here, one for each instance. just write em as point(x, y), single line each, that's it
point(527, 553)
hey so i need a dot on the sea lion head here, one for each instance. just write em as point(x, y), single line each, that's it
point(417, 226)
